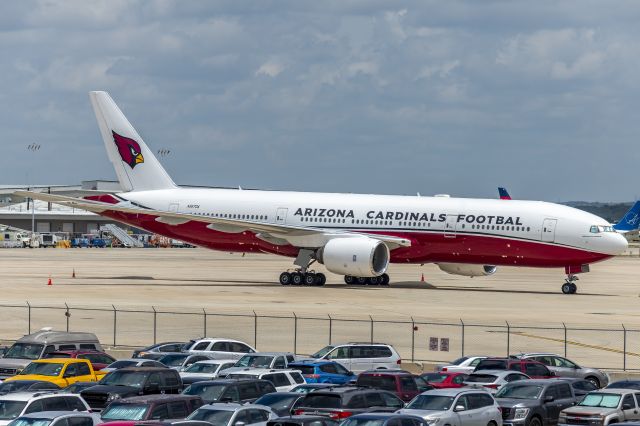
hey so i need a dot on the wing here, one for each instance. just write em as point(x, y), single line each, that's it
point(278, 234)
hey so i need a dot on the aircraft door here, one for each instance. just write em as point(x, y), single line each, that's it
point(174, 207)
point(281, 216)
point(450, 226)
point(549, 230)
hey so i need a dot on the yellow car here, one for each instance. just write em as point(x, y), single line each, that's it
point(61, 371)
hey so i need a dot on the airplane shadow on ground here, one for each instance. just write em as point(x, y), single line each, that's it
point(412, 285)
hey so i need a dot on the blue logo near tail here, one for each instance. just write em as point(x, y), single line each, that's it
point(630, 221)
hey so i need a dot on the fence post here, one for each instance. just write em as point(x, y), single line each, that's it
point(565, 339)
point(155, 324)
point(204, 317)
point(67, 314)
point(624, 348)
point(508, 338)
point(115, 324)
point(295, 333)
point(255, 329)
point(330, 327)
point(413, 340)
point(371, 339)
point(462, 331)
point(29, 316)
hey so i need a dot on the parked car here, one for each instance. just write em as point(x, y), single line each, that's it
point(36, 345)
point(205, 370)
point(464, 365)
point(233, 414)
point(445, 379)
point(283, 380)
point(341, 402)
point(581, 387)
point(402, 383)
point(98, 360)
point(270, 360)
point(183, 360)
point(534, 402)
point(359, 357)
point(59, 371)
point(460, 407)
point(27, 386)
point(423, 385)
point(310, 387)
point(533, 369)
point(77, 387)
point(132, 362)
point(322, 371)
point(492, 380)
point(160, 347)
point(601, 408)
point(128, 382)
point(17, 404)
point(220, 347)
point(57, 418)
point(384, 419)
point(302, 421)
point(281, 403)
point(563, 367)
point(230, 390)
point(151, 407)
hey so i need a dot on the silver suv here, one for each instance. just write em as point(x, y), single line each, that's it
point(565, 368)
point(18, 404)
point(462, 407)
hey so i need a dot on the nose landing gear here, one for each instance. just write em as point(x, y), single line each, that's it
point(569, 287)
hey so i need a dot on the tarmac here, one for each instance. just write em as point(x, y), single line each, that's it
point(190, 280)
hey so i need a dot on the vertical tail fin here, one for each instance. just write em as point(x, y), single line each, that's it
point(504, 195)
point(136, 166)
point(630, 221)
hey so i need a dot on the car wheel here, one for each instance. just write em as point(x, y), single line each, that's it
point(535, 422)
point(492, 423)
point(593, 380)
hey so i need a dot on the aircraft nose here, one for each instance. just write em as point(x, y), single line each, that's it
point(617, 243)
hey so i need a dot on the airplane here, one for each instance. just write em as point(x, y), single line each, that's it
point(353, 235)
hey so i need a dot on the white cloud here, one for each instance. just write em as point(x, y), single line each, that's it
point(270, 68)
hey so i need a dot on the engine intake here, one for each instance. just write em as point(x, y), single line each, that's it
point(359, 257)
point(468, 270)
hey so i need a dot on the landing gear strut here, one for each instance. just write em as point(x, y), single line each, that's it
point(381, 280)
point(302, 275)
point(569, 287)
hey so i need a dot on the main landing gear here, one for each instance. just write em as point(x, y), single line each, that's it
point(381, 280)
point(302, 275)
point(569, 287)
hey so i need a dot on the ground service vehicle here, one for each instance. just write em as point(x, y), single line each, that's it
point(358, 357)
point(341, 402)
point(323, 372)
point(240, 391)
point(17, 404)
point(151, 407)
point(401, 383)
point(234, 414)
point(59, 371)
point(602, 407)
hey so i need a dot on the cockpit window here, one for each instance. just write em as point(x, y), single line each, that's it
point(596, 229)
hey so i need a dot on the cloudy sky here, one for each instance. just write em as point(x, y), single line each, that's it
point(370, 96)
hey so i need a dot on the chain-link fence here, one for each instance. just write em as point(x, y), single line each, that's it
point(610, 347)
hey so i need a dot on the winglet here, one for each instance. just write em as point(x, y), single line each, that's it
point(630, 221)
point(504, 195)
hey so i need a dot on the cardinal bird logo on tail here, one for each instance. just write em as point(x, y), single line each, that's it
point(129, 150)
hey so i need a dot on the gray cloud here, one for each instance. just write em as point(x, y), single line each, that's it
point(355, 96)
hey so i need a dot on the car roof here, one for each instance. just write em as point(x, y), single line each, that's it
point(304, 417)
point(374, 416)
point(215, 361)
point(59, 360)
point(51, 336)
point(217, 339)
point(539, 381)
point(312, 362)
point(27, 381)
point(451, 391)
point(615, 390)
point(495, 372)
point(144, 369)
point(155, 397)
point(259, 371)
point(28, 395)
point(270, 353)
point(53, 414)
point(231, 406)
point(78, 352)
point(230, 381)
point(387, 372)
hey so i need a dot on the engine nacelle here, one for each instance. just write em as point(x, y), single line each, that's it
point(468, 270)
point(359, 257)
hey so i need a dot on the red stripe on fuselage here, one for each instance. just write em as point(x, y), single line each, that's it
point(426, 247)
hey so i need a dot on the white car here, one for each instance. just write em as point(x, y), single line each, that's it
point(221, 348)
point(283, 380)
point(465, 365)
point(272, 360)
point(58, 418)
point(14, 405)
point(358, 357)
point(493, 380)
point(205, 370)
point(227, 414)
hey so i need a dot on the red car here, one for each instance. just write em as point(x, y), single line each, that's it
point(444, 379)
point(98, 360)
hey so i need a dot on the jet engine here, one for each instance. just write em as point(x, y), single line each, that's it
point(359, 257)
point(468, 270)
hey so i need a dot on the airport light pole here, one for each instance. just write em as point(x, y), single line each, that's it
point(34, 147)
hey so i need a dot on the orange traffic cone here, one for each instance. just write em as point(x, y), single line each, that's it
point(49, 282)
point(422, 277)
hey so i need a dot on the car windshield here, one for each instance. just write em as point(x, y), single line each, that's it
point(276, 400)
point(173, 360)
point(492, 364)
point(14, 386)
point(124, 412)
point(30, 421)
point(363, 422)
point(434, 377)
point(520, 391)
point(206, 392)
point(459, 360)
point(11, 409)
point(304, 369)
point(605, 400)
point(431, 402)
point(122, 364)
point(56, 355)
point(322, 352)
point(256, 361)
point(124, 378)
point(216, 417)
point(43, 369)
point(24, 351)
point(202, 368)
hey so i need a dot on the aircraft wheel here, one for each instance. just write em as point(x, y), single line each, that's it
point(321, 279)
point(285, 278)
point(384, 279)
point(373, 281)
point(309, 278)
point(349, 280)
point(361, 280)
point(296, 278)
point(574, 288)
point(566, 288)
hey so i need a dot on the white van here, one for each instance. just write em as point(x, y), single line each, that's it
point(359, 357)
